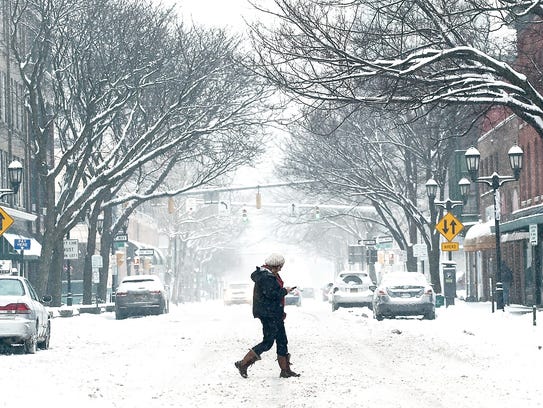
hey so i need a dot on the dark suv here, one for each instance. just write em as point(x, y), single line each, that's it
point(140, 295)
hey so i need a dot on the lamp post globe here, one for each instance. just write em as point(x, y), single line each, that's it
point(473, 158)
point(15, 175)
point(100, 224)
point(515, 154)
point(464, 185)
point(431, 188)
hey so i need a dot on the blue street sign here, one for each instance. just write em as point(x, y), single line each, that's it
point(21, 243)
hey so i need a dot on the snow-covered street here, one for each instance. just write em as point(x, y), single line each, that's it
point(467, 357)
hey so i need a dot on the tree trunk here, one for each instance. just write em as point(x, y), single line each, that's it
point(55, 272)
point(106, 243)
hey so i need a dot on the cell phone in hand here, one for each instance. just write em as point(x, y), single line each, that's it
point(292, 288)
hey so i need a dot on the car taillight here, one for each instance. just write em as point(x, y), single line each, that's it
point(156, 292)
point(17, 308)
point(429, 292)
point(120, 294)
point(381, 292)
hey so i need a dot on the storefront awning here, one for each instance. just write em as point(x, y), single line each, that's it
point(515, 236)
point(521, 223)
point(30, 254)
point(479, 237)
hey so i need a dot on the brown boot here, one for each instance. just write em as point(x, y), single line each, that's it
point(284, 363)
point(244, 364)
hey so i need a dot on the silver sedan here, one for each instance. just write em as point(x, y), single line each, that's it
point(403, 294)
point(24, 320)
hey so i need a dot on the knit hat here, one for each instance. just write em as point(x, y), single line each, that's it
point(275, 260)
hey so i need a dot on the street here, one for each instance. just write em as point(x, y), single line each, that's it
point(467, 357)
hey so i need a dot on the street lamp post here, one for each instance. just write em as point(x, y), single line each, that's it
point(448, 204)
point(495, 181)
point(15, 176)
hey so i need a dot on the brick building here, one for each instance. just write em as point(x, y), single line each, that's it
point(521, 203)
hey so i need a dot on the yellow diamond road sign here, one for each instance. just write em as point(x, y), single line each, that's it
point(5, 221)
point(449, 226)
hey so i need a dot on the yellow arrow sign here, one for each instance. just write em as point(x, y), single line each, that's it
point(449, 226)
point(5, 221)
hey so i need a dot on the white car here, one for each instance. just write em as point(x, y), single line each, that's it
point(352, 289)
point(24, 320)
point(404, 294)
point(238, 293)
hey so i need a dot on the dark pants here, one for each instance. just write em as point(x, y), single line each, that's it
point(273, 330)
point(506, 289)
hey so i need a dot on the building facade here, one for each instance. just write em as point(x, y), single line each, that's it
point(521, 203)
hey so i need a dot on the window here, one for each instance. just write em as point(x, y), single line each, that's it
point(11, 287)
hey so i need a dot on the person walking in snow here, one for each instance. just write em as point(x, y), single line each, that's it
point(507, 279)
point(269, 306)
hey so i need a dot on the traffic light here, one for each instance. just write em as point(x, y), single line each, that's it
point(244, 216)
point(119, 257)
point(372, 258)
point(317, 213)
point(258, 201)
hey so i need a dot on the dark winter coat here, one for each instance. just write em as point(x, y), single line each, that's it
point(507, 273)
point(267, 294)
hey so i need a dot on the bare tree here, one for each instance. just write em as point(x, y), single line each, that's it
point(111, 103)
point(198, 236)
point(409, 53)
point(382, 161)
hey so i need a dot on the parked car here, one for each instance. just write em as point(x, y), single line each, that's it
point(24, 319)
point(140, 295)
point(352, 289)
point(236, 293)
point(326, 289)
point(404, 294)
point(294, 297)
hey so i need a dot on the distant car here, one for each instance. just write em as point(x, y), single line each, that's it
point(352, 289)
point(294, 297)
point(237, 293)
point(308, 293)
point(140, 295)
point(24, 320)
point(404, 294)
point(326, 291)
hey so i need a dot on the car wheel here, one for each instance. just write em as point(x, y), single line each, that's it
point(30, 345)
point(335, 307)
point(44, 345)
point(431, 315)
point(119, 315)
point(378, 316)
